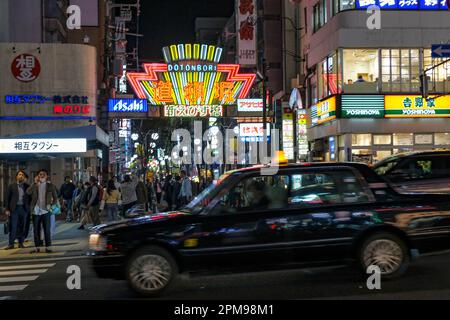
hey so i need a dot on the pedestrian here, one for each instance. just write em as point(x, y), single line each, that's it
point(176, 192)
point(141, 194)
point(43, 195)
point(186, 189)
point(76, 200)
point(83, 206)
point(66, 195)
point(168, 191)
point(17, 209)
point(128, 191)
point(158, 190)
point(111, 200)
point(95, 194)
point(151, 196)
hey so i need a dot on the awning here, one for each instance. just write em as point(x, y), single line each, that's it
point(95, 137)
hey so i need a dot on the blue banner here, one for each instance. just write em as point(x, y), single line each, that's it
point(127, 105)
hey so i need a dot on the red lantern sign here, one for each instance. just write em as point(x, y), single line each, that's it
point(26, 67)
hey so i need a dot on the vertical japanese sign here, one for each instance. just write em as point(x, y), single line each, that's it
point(288, 132)
point(246, 16)
point(302, 137)
point(25, 67)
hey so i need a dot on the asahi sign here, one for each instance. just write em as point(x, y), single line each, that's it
point(362, 106)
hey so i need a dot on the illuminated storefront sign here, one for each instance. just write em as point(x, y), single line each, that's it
point(42, 145)
point(404, 4)
point(253, 132)
point(193, 111)
point(40, 99)
point(288, 133)
point(326, 110)
point(127, 105)
point(60, 109)
point(250, 105)
point(364, 106)
point(246, 21)
point(191, 76)
point(411, 106)
point(302, 138)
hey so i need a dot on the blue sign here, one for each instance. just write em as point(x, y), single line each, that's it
point(429, 4)
point(440, 51)
point(127, 105)
point(404, 4)
point(39, 99)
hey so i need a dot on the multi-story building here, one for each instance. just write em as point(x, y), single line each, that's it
point(50, 82)
point(363, 79)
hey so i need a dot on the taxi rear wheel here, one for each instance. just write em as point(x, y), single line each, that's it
point(386, 251)
point(151, 270)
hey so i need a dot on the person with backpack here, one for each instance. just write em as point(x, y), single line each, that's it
point(94, 196)
point(66, 194)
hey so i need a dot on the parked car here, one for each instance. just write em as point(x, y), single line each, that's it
point(305, 215)
point(417, 171)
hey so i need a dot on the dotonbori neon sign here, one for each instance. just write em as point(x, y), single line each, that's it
point(191, 78)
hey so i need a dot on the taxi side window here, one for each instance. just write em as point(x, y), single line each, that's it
point(257, 193)
point(325, 188)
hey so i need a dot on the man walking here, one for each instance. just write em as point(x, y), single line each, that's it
point(17, 209)
point(43, 196)
point(94, 198)
point(66, 193)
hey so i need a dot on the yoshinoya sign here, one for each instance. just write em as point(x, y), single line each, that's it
point(127, 105)
point(326, 110)
point(250, 105)
point(42, 145)
point(411, 106)
point(25, 67)
point(362, 106)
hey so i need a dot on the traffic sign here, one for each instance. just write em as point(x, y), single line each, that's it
point(440, 51)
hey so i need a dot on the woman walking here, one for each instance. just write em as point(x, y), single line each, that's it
point(111, 199)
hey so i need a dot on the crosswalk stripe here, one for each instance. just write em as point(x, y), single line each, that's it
point(18, 279)
point(13, 288)
point(13, 273)
point(30, 266)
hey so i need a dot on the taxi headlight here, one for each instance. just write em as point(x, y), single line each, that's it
point(97, 242)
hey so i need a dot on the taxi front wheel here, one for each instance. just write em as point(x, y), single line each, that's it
point(151, 270)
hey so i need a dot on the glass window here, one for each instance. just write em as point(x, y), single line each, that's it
point(381, 154)
point(423, 139)
point(360, 70)
point(400, 70)
point(340, 186)
point(347, 4)
point(422, 168)
point(439, 77)
point(441, 139)
point(382, 139)
point(256, 193)
point(384, 166)
point(359, 140)
point(403, 139)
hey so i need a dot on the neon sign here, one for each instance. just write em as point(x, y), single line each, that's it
point(191, 76)
point(193, 111)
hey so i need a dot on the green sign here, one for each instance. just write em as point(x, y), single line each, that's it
point(362, 106)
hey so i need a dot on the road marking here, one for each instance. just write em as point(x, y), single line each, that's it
point(46, 259)
point(13, 288)
point(18, 279)
point(14, 273)
point(29, 266)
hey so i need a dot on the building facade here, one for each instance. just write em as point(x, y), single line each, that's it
point(363, 82)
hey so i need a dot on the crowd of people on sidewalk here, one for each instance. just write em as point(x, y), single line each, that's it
point(89, 202)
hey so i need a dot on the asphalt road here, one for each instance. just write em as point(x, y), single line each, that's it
point(428, 278)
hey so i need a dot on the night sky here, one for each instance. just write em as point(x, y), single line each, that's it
point(165, 22)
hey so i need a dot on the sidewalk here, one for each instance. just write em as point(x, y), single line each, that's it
point(67, 241)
